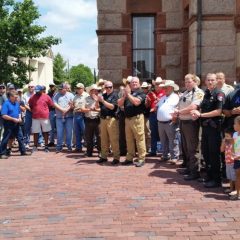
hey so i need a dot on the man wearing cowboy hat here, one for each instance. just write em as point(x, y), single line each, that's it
point(92, 111)
point(166, 126)
point(133, 101)
point(152, 99)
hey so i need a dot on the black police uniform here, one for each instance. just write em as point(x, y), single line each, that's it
point(211, 134)
point(130, 109)
point(106, 112)
point(232, 101)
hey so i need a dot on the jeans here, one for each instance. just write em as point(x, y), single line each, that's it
point(79, 128)
point(64, 124)
point(154, 131)
point(52, 118)
point(12, 129)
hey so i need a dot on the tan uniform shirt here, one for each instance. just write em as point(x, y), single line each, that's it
point(226, 89)
point(90, 103)
point(79, 101)
point(195, 96)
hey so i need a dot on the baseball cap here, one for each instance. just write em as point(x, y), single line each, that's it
point(38, 88)
point(62, 86)
point(11, 86)
point(79, 85)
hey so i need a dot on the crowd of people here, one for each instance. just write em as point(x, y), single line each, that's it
point(132, 121)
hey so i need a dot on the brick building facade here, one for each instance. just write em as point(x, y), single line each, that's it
point(168, 38)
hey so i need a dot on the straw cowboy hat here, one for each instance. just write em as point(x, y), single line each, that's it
point(93, 86)
point(101, 82)
point(157, 81)
point(127, 80)
point(170, 83)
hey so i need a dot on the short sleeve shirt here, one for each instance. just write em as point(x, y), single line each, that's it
point(190, 97)
point(79, 101)
point(212, 101)
point(63, 101)
point(132, 110)
point(111, 98)
point(39, 104)
point(90, 103)
point(11, 109)
point(154, 98)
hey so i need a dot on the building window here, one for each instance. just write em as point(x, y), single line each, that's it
point(143, 47)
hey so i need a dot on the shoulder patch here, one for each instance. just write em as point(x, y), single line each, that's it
point(220, 97)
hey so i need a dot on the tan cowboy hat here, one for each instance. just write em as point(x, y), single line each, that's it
point(127, 80)
point(157, 81)
point(170, 83)
point(93, 86)
point(101, 82)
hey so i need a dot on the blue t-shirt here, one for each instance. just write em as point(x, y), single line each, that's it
point(11, 109)
point(63, 101)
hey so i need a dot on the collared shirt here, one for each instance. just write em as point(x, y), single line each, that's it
point(166, 107)
point(154, 97)
point(111, 98)
point(26, 97)
point(79, 101)
point(190, 97)
point(212, 100)
point(226, 89)
point(11, 109)
point(90, 103)
point(63, 101)
point(130, 109)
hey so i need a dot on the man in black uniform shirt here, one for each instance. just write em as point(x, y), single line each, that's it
point(210, 116)
point(109, 130)
point(231, 108)
point(133, 100)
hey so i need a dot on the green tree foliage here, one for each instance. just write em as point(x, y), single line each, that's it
point(81, 74)
point(20, 38)
point(59, 73)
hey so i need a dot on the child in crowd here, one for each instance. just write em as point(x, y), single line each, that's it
point(236, 166)
point(227, 146)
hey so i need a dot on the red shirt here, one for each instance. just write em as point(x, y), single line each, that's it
point(153, 98)
point(39, 104)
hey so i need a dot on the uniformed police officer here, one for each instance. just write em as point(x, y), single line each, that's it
point(210, 116)
point(109, 124)
point(190, 100)
point(133, 100)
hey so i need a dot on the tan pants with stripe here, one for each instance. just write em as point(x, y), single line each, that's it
point(109, 131)
point(134, 129)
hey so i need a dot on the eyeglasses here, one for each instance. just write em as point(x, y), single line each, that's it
point(108, 87)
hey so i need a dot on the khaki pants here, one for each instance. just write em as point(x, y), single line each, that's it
point(147, 133)
point(134, 129)
point(109, 131)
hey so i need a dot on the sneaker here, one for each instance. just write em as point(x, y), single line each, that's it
point(4, 157)
point(101, 160)
point(27, 146)
point(51, 144)
point(233, 193)
point(140, 164)
point(234, 197)
point(46, 149)
point(69, 150)
point(42, 145)
point(34, 149)
point(58, 150)
point(115, 162)
point(78, 150)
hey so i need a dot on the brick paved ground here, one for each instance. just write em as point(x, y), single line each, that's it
point(66, 196)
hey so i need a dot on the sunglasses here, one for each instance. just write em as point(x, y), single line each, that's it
point(108, 87)
point(2, 87)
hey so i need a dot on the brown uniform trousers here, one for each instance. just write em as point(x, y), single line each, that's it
point(134, 129)
point(109, 131)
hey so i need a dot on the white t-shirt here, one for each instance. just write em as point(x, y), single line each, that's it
point(166, 107)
